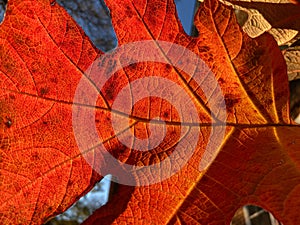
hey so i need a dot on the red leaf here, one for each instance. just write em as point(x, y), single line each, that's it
point(42, 54)
point(43, 57)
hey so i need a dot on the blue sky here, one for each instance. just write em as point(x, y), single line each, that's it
point(185, 9)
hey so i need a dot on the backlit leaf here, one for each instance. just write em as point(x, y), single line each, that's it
point(43, 169)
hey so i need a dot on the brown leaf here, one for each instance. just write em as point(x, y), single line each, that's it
point(279, 18)
point(292, 58)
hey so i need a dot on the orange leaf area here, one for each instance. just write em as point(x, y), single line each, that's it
point(47, 162)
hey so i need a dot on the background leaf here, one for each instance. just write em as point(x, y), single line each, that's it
point(279, 18)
